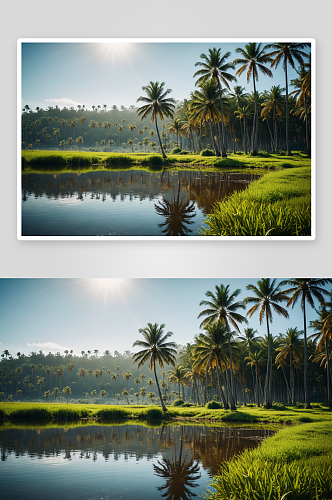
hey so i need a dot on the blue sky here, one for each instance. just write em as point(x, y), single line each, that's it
point(88, 314)
point(68, 74)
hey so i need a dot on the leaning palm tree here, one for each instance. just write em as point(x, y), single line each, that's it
point(253, 60)
point(267, 298)
point(222, 306)
point(306, 290)
point(155, 349)
point(286, 53)
point(215, 67)
point(157, 104)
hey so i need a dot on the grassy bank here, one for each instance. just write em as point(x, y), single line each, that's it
point(53, 411)
point(57, 160)
point(278, 204)
point(296, 463)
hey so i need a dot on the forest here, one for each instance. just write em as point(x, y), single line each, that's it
point(218, 116)
point(228, 361)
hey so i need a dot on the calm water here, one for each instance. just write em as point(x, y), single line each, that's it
point(127, 462)
point(123, 203)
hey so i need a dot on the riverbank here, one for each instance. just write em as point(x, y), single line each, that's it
point(296, 463)
point(278, 204)
point(55, 160)
point(73, 412)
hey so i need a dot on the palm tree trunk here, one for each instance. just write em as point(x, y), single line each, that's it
point(254, 128)
point(213, 141)
point(268, 379)
point(162, 152)
point(223, 150)
point(226, 406)
point(328, 373)
point(307, 138)
point(289, 153)
point(306, 395)
point(161, 399)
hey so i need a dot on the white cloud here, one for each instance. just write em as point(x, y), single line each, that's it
point(49, 346)
point(63, 101)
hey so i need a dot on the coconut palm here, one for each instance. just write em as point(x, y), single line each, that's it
point(285, 53)
point(214, 66)
point(222, 306)
point(155, 349)
point(157, 104)
point(211, 353)
point(267, 298)
point(291, 344)
point(205, 107)
point(67, 391)
point(302, 92)
point(306, 290)
point(256, 359)
point(177, 375)
point(253, 60)
point(274, 101)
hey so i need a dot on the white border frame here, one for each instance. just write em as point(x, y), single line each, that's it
point(20, 41)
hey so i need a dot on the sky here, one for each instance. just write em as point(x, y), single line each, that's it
point(68, 74)
point(55, 314)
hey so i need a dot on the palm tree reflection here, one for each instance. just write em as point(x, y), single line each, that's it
point(178, 214)
point(180, 475)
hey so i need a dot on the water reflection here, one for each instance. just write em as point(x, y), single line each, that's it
point(125, 202)
point(121, 461)
point(180, 474)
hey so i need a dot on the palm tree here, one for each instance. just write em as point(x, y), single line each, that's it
point(222, 306)
point(253, 60)
point(267, 298)
point(256, 359)
point(286, 53)
point(177, 375)
point(305, 289)
point(206, 107)
point(156, 350)
point(274, 101)
point(211, 352)
point(67, 391)
point(323, 328)
point(157, 104)
point(215, 67)
point(291, 344)
point(302, 91)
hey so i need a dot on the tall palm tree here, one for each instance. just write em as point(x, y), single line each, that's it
point(215, 67)
point(253, 60)
point(323, 329)
point(302, 92)
point(206, 107)
point(211, 352)
point(267, 298)
point(256, 359)
point(177, 375)
point(306, 290)
point(285, 53)
point(222, 306)
point(291, 344)
point(274, 101)
point(157, 104)
point(155, 349)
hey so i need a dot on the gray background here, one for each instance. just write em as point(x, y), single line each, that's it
point(164, 18)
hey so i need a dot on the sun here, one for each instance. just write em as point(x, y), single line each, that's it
point(106, 288)
point(114, 50)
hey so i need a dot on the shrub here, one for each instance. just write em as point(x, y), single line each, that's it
point(300, 405)
point(282, 153)
point(176, 151)
point(151, 413)
point(118, 160)
point(278, 406)
point(187, 405)
point(81, 160)
point(156, 160)
point(2, 415)
point(207, 152)
point(178, 402)
point(68, 415)
point(184, 153)
point(213, 405)
point(112, 413)
point(237, 416)
point(306, 420)
point(22, 414)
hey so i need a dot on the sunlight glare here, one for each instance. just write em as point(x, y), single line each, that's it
point(107, 288)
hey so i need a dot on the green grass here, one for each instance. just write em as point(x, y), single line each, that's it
point(319, 413)
point(43, 160)
point(296, 463)
point(278, 204)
